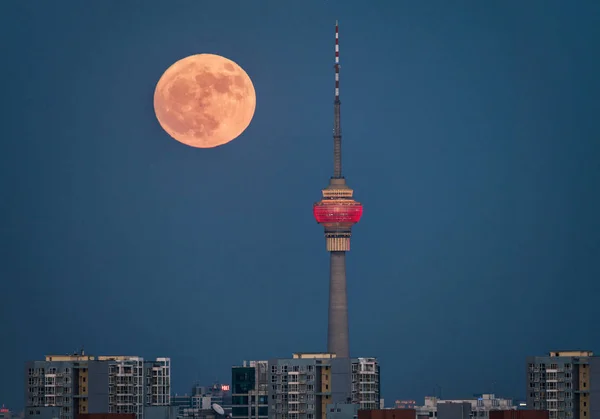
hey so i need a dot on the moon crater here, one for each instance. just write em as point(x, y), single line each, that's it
point(204, 100)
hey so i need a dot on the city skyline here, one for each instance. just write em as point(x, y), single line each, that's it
point(470, 135)
point(553, 361)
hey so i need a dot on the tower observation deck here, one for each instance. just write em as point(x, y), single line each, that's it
point(337, 212)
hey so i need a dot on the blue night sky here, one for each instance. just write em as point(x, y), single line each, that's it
point(471, 136)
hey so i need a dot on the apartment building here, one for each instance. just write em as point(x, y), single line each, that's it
point(365, 383)
point(63, 386)
point(305, 386)
point(301, 387)
point(563, 382)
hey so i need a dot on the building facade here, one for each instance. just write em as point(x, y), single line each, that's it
point(303, 387)
point(594, 388)
point(562, 383)
point(342, 411)
point(250, 391)
point(480, 407)
point(157, 379)
point(64, 386)
point(366, 383)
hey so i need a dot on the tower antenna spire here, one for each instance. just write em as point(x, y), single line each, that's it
point(337, 126)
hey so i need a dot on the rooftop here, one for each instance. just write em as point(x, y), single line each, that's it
point(571, 353)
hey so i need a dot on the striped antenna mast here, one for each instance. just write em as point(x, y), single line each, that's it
point(337, 61)
point(337, 128)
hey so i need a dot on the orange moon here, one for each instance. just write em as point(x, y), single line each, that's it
point(204, 100)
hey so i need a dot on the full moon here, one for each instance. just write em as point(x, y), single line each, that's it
point(204, 100)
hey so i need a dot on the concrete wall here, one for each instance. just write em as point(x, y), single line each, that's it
point(42, 412)
point(594, 385)
point(341, 380)
point(387, 414)
point(519, 414)
point(342, 411)
point(160, 412)
point(98, 387)
point(454, 410)
point(28, 365)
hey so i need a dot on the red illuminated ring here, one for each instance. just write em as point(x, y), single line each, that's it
point(337, 212)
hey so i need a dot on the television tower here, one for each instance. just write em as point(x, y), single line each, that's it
point(337, 212)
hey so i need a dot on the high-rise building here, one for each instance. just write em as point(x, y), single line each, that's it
point(566, 383)
point(157, 380)
point(250, 391)
point(67, 385)
point(365, 383)
point(302, 386)
point(305, 386)
point(337, 212)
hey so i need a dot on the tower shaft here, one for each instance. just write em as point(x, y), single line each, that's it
point(337, 331)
